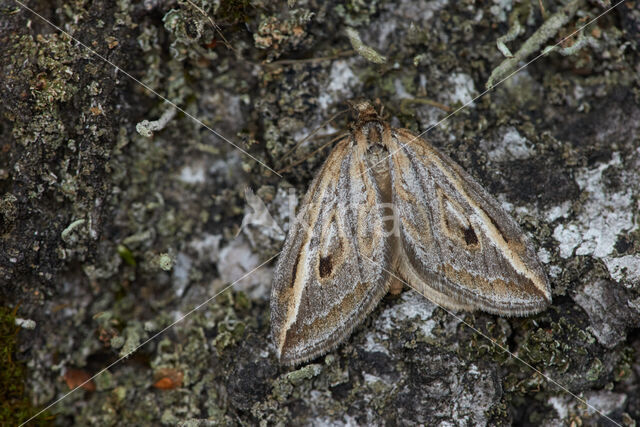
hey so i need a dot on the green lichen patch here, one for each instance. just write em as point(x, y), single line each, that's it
point(489, 338)
point(564, 352)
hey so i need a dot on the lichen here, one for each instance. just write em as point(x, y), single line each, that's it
point(547, 30)
point(277, 35)
point(363, 50)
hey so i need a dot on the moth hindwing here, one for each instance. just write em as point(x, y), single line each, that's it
point(388, 205)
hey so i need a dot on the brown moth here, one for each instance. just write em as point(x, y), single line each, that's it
point(387, 204)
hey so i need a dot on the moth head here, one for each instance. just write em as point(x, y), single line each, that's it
point(365, 111)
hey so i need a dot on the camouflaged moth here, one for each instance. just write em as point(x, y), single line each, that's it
point(387, 204)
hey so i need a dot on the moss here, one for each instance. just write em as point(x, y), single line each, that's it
point(15, 403)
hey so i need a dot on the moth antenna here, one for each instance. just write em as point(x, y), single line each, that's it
point(316, 130)
point(405, 105)
point(306, 138)
point(316, 151)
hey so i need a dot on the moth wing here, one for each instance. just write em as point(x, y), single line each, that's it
point(462, 249)
point(325, 282)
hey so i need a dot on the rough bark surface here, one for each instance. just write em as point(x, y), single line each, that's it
point(108, 236)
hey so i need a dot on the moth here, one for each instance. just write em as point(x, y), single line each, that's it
point(387, 206)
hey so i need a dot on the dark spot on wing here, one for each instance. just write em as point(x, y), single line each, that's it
point(470, 236)
point(325, 266)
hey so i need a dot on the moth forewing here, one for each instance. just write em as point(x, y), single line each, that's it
point(321, 289)
point(476, 256)
point(448, 238)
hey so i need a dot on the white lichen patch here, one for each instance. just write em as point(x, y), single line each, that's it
point(372, 380)
point(373, 344)
point(625, 268)
point(237, 260)
point(559, 404)
point(383, 32)
point(603, 216)
point(325, 100)
point(342, 84)
point(501, 9)
point(345, 421)
point(342, 80)
point(605, 402)
point(509, 146)
point(544, 256)
point(463, 89)
point(180, 273)
point(25, 323)
point(413, 307)
point(558, 211)
point(429, 116)
point(569, 236)
point(207, 247)
point(401, 92)
point(555, 272)
point(192, 174)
